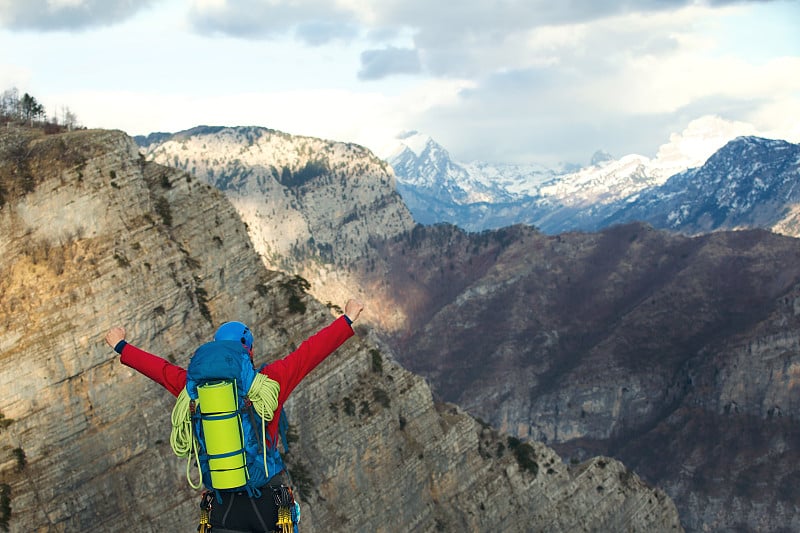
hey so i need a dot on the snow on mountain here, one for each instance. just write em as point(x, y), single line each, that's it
point(749, 182)
point(514, 180)
point(421, 162)
point(692, 147)
point(426, 166)
point(480, 195)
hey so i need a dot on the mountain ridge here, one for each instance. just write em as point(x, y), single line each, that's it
point(606, 192)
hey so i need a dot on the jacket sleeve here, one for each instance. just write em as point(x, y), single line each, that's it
point(290, 370)
point(171, 377)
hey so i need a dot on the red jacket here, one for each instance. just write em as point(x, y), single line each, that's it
point(288, 372)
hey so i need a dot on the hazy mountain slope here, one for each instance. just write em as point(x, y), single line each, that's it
point(91, 235)
point(632, 342)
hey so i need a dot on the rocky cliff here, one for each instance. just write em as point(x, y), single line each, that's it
point(677, 355)
point(312, 207)
point(92, 235)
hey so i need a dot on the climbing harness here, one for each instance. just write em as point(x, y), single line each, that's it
point(288, 509)
point(205, 512)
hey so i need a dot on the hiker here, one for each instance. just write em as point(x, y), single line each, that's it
point(255, 509)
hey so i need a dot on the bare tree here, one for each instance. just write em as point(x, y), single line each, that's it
point(9, 105)
point(27, 109)
point(68, 119)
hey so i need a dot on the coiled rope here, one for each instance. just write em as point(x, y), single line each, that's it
point(181, 438)
point(263, 394)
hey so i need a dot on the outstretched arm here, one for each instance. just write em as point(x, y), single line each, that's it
point(171, 377)
point(352, 309)
point(115, 336)
point(290, 370)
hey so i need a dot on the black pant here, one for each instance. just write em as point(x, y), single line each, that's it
point(239, 513)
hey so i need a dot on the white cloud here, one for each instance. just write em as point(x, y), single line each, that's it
point(371, 119)
point(12, 75)
point(512, 80)
point(51, 15)
point(701, 138)
point(55, 5)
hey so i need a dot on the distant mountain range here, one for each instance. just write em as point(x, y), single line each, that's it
point(747, 182)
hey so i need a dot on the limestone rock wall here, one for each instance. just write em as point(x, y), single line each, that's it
point(312, 207)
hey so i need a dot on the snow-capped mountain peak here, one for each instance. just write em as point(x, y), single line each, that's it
point(415, 141)
point(480, 195)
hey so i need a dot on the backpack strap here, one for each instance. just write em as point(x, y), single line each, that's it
point(283, 428)
point(283, 422)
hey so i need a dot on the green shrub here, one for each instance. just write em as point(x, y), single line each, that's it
point(525, 455)
point(5, 505)
point(164, 211)
point(377, 361)
point(202, 302)
point(334, 307)
point(296, 305)
point(297, 286)
point(381, 397)
point(500, 450)
point(22, 460)
point(5, 422)
point(349, 406)
point(122, 261)
point(302, 479)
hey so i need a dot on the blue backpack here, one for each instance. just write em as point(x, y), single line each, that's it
point(234, 451)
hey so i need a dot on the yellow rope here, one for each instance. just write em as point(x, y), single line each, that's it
point(181, 438)
point(263, 395)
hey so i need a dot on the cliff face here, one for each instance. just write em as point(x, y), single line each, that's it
point(312, 207)
point(679, 356)
point(93, 236)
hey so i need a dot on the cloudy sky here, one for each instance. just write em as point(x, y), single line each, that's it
point(537, 81)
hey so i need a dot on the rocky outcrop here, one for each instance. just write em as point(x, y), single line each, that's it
point(312, 207)
point(92, 235)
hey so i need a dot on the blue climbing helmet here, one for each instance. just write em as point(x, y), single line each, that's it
point(235, 331)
